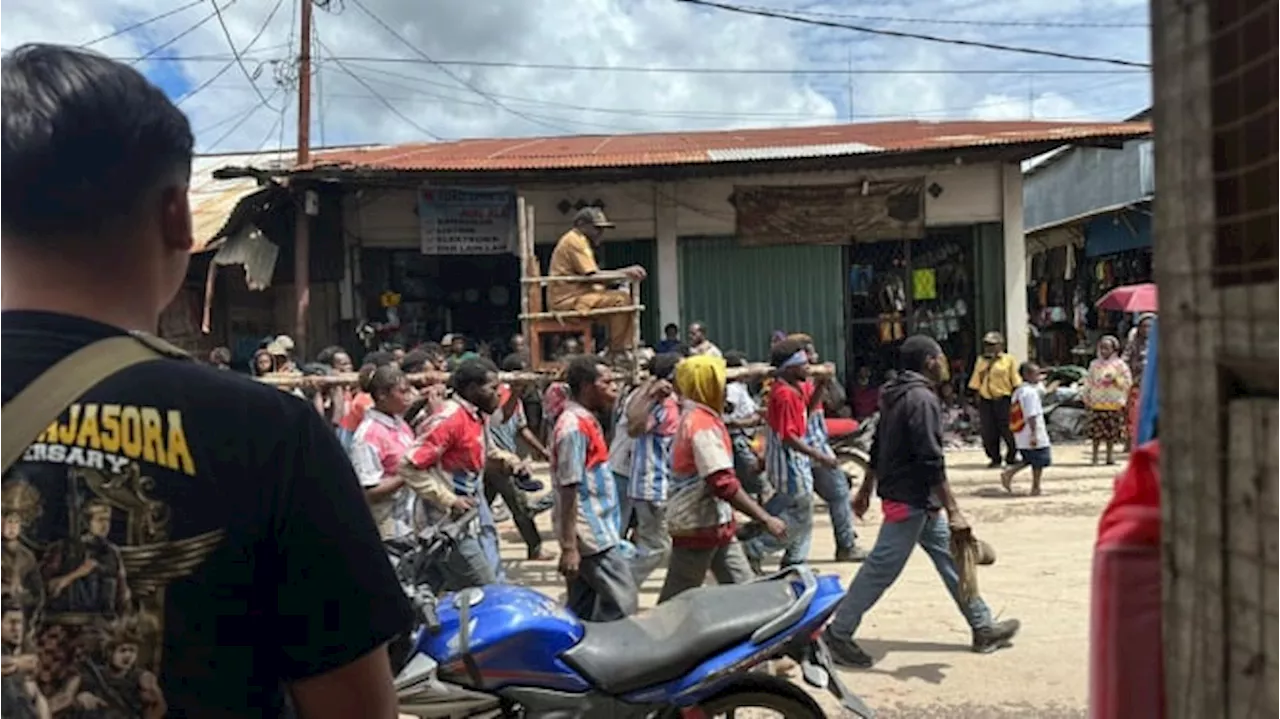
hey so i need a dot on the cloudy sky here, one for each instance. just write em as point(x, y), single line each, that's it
point(539, 67)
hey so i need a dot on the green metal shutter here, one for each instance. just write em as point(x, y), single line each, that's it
point(645, 254)
point(988, 264)
point(620, 254)
point(743, 294)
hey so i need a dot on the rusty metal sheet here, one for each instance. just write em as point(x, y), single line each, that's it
point(830, 214)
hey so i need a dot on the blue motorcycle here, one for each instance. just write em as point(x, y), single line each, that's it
point(509, 651)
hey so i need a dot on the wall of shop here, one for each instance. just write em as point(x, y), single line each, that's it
point(1080, 180)
point(672, 214)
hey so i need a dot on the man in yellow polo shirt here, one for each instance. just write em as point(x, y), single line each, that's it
point(995, 376)
point(575, 256)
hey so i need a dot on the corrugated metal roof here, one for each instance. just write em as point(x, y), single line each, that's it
point(684, 148)
point(212, 201)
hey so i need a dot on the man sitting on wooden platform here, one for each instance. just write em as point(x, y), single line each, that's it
point(575, 256)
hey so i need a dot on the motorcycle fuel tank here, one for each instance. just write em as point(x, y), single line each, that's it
point(515, 635)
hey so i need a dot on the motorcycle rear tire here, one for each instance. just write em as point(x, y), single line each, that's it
point(764, 692)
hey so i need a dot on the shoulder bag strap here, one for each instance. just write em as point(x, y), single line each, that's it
point(38, 406)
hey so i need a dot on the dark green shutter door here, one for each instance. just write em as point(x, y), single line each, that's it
point(743, 294)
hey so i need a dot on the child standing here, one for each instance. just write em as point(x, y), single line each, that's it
point(1031, 437)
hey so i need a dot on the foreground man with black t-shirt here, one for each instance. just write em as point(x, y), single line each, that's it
point(181, 541)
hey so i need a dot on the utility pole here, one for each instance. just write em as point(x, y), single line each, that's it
point(302, 220)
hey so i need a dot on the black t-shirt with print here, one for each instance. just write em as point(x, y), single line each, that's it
point(182, 541)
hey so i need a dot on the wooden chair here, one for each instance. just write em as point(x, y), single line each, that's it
point(539, 324)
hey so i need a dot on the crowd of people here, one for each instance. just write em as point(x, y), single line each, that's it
point(650, 474)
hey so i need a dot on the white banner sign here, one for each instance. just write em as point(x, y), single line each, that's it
point(467, 220)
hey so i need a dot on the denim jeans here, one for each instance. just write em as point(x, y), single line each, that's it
point(832, 484)
point(882, 567)
point(488, 538)
point(797, 512)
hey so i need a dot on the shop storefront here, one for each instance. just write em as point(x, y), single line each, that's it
point(1069, 274)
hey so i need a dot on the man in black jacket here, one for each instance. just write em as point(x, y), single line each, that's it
point(909, 467)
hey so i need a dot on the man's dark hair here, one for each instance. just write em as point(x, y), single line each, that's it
point(663, 366)
point(669, 327)
point(918, 350)
point(782, 351)
point(381, 380)
point(581, 371)
point(735, 358)
point(377, 358)
point(85, 140)
point(471, 372)
point(433, 349)
point(1026, 368)
point(327, 354)
point(415, 361)
point(513, 363)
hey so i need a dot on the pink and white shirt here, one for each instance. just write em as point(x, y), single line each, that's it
point(379, 443)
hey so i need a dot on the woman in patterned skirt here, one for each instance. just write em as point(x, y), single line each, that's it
point(1106, 395)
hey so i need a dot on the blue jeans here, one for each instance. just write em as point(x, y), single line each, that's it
point(797, 512)
point(882, 567)
point(833, 486)
point(488, 538)
point(623, 516)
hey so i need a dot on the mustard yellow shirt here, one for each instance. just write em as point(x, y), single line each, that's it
point(995, 378)
point(573, 256)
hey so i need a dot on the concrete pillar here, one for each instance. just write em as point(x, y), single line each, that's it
point(666, 237)
point(1015, 261)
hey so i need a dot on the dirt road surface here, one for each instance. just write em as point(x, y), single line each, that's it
point(925, 669)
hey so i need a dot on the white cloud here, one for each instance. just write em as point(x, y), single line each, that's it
point(608, 33)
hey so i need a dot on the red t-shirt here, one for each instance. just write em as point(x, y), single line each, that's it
point(787, 413)
point(355, 411)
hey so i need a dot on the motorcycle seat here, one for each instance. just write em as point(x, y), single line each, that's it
point(671, 639)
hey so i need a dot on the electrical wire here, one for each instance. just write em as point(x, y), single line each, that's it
point(141, 24)
point(949, 21)
point(236, 53)
point(243, 119)
point(914, 36)
point(236, 59)
point(452, 75)
point(417, 95)
point(379, 97)
point(685, 70)
point(182, 34)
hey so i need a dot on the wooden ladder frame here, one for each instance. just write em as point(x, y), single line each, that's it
point(536, 321)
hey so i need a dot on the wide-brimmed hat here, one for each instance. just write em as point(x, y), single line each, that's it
point(993, 338)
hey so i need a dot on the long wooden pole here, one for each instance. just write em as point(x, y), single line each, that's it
point(754, 371)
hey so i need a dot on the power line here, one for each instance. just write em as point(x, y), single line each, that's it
point(682, 70)
point(182, 34)
point(378, 96)
point(418, 95)
point(243, 119)
point(949, 21)
point(914, 36)
point(143, 23)
point(235, 59)
point(236, 53)
point(452, 75)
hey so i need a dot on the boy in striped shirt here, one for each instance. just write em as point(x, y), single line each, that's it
point(652, 415)
point(601, 587)
point(789, 459)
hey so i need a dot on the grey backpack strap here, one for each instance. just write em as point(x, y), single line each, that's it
point(38, 406)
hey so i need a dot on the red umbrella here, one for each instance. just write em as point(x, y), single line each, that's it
point(1130, 298)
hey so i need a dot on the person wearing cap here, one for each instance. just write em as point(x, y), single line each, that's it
point(575, 255)
point(995, 377)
